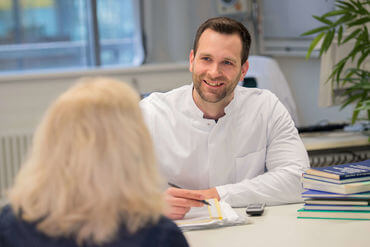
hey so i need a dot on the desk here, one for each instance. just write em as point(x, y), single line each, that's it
point(336, 147)
point(335, 139)
point(279, 226)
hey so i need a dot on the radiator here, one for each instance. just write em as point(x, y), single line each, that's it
point(13, 150)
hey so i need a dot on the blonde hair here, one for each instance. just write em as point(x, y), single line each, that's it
point(91, 167)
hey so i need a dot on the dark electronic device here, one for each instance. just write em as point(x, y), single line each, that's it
point(317, 128)
point(249, 82)
point(255, 209)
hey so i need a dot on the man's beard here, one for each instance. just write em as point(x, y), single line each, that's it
point(215, 97)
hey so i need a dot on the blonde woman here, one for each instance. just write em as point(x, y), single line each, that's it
point(91, 177)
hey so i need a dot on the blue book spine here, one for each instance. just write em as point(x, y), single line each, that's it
point(323, 194)
point(343, 171)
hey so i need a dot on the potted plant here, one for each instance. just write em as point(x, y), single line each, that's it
point(348, 23)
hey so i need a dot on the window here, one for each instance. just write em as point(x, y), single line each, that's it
point(62, 34)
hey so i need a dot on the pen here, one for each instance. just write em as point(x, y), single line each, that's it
point(178, 187)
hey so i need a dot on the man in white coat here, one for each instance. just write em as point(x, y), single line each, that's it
point(218, 140)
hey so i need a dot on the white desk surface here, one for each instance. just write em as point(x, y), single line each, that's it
point(279, 226)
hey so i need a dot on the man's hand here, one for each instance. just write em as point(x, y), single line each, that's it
point(210, 193)
point(179, 201)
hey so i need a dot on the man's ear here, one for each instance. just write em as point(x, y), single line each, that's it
point(244, 69)
point(191, 60)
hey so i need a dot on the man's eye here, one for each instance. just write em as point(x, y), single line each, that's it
point(228, 63)
point(206, 58)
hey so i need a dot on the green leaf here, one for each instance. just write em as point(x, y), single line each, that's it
point(355, 51)
point(327, 41)
point(344, 19)
point(323, 20)
point(315, 30)
point(336, 67)
point(366, 34)
point(359, 6)
point(362, 38)
point(348, 5)
point(351, 90)
point(362, 58)
point(365, 106)
point(355, 116)
point(355, 4)
point(340, 34)
point(359, 72)
point(348, 77)
point(339, 71)
point(359, 21)
point(356, 70)
point(350, 100)
point(334, 13)
point(330, 77)
point(352, 35)
point(363, 85)
point(358, 105)
point(313, 44)
point(351, 81)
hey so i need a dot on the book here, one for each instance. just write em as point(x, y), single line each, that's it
point(335, 201)
point(331, 214)
point(337, 207)
point(343, 171)
point(342, 181)
point(350, 188)
point(329, 195)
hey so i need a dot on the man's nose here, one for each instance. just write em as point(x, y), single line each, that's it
point(214, 71)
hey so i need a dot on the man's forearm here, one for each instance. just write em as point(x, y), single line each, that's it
point(273, 188)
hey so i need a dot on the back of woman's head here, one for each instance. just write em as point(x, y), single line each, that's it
point(91, 167)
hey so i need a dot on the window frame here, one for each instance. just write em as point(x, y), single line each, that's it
point(92, 44)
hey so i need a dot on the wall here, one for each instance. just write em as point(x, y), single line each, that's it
point(23, 99)
point(170, 26)
point(303, 77)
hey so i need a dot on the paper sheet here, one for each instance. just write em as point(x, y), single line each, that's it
point(217, 215)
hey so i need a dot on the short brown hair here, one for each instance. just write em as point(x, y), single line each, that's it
point(226, 25)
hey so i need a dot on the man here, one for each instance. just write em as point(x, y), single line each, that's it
point(219, 140)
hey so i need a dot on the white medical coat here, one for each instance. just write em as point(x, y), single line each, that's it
point(252, 154)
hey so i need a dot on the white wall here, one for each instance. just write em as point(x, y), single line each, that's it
point(24, 99)
point(170, 26)
point(303, 77)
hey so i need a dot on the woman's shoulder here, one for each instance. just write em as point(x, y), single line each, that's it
point(7, 218)
point(165, 224)
point(164, 233)
point(10, 226)
point(16, 232)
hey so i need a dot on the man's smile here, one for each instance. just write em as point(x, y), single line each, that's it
point(213, 84)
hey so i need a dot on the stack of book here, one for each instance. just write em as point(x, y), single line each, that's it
point(337, 192)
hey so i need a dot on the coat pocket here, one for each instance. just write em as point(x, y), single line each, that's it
point(250, 165)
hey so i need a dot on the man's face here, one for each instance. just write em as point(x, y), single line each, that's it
point(216, 66)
